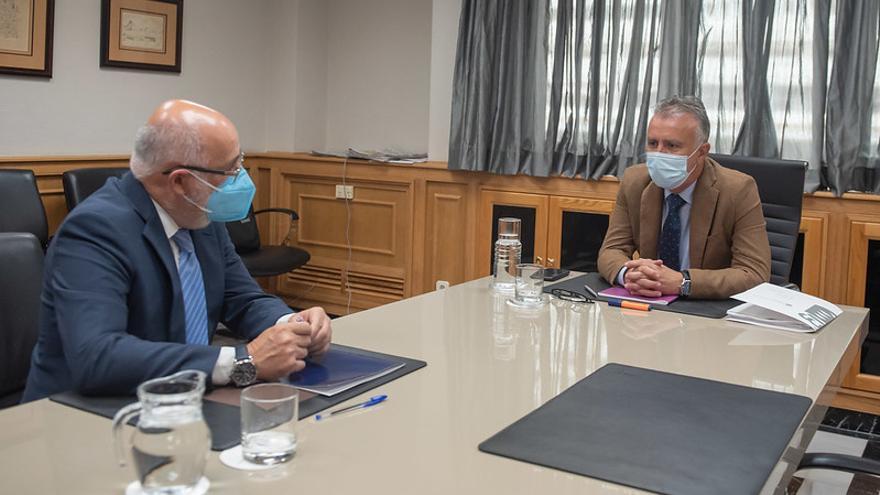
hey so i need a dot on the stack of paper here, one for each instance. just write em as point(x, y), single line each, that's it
point(385, 156)
point(771, 306)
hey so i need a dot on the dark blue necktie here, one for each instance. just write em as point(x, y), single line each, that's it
point(670, 237)
point(193, 287)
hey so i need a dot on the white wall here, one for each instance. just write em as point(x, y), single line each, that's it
point(294, 75)
point(84, 109)
point(378, 74)
point(444, 39)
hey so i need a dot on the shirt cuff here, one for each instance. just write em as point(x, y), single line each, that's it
point(284, 319)
point(621, 281)
point(223, 366)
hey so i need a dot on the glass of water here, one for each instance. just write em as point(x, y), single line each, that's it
point(529, 289)
point(269, 412)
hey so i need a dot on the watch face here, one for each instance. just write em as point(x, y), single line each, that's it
point(243, 373)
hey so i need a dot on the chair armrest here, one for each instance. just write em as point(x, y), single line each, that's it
point(840, 462)
point(791, 286)
point(286, 211)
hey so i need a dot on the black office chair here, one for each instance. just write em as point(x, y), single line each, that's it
point(21, 209)
point(840, 462)
point(81, 183)
point(20, 285)
point(265, 261)
point(781, 187)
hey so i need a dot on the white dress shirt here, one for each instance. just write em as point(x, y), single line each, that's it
point(226, 359)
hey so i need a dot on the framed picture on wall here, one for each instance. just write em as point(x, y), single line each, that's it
point(141, 34)
point(26, 37)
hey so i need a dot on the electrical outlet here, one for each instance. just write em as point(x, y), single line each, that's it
point(349, 192)
point(340, 191)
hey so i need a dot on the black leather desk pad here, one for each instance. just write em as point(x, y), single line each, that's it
point(658, 431)
point(709, 308)
point(224, 420)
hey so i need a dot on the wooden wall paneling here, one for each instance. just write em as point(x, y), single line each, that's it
point(862, 230)
point(446, 233)
point(471, 226)
point(490, 198)
point(418, 260)
point(380, 236)
point(839, 213)
point(559, 205)
point(814, 227)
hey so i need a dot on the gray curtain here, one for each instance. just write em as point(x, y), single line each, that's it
point(602, 75)
point(678, 48)
point(574, 101)
point(498, 113)
point(851, 158)
point(565, 87)
point(757, 134)
point(821, 20)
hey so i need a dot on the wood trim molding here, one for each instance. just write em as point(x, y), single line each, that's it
point(861, 232)
point(64, 158)
point(814, 226)
point(557, 207)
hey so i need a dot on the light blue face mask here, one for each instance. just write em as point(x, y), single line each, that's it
point(231, 201)
point(666, 170)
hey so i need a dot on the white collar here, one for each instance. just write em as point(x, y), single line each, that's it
point(168, 223)
point(687, 195)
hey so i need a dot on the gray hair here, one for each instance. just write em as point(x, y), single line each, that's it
point(692, 105)
point(158, 145)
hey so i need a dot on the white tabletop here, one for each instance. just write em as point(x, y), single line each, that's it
point(488, 365)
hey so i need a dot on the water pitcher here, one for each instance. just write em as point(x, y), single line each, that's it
point(508, 250)
point(170, 445)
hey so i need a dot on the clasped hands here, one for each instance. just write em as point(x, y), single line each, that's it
point(651, 278)
point(282, 349)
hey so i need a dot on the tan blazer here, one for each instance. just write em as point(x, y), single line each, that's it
point(729, 250)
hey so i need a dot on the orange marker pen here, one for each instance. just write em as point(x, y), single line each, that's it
point(618, 303)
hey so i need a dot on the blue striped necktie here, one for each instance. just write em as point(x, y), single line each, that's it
point(193, 287)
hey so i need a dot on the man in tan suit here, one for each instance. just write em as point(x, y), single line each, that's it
point(697, 227)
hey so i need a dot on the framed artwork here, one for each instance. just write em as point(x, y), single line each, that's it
point(26, 37)
point(141, 34)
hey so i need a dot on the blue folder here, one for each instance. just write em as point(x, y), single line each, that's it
point(341, 369)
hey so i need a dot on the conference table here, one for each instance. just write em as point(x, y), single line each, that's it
point(489, 364)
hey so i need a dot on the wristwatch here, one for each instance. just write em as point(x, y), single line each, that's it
point(244, 372)
point(685, 289)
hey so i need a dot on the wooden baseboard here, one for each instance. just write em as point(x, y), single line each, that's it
point(857, 400)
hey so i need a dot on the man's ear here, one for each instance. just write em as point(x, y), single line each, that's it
point(704, 148)
point(175, 181)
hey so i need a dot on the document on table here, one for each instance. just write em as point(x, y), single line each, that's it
point(772, 306)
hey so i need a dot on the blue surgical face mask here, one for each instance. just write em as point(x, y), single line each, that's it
point(668, 171)
point(231, 201)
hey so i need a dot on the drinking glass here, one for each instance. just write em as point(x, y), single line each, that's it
point(269, 412)
point(529, 284)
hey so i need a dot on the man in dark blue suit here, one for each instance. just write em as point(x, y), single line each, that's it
point(138, 276)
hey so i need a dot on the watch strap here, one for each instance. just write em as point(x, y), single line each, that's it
point(241, 352)
point(685, 290)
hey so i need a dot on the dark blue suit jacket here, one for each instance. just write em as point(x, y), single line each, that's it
point(112, 312)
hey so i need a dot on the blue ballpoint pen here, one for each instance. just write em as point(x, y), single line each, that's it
point(360, 405)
